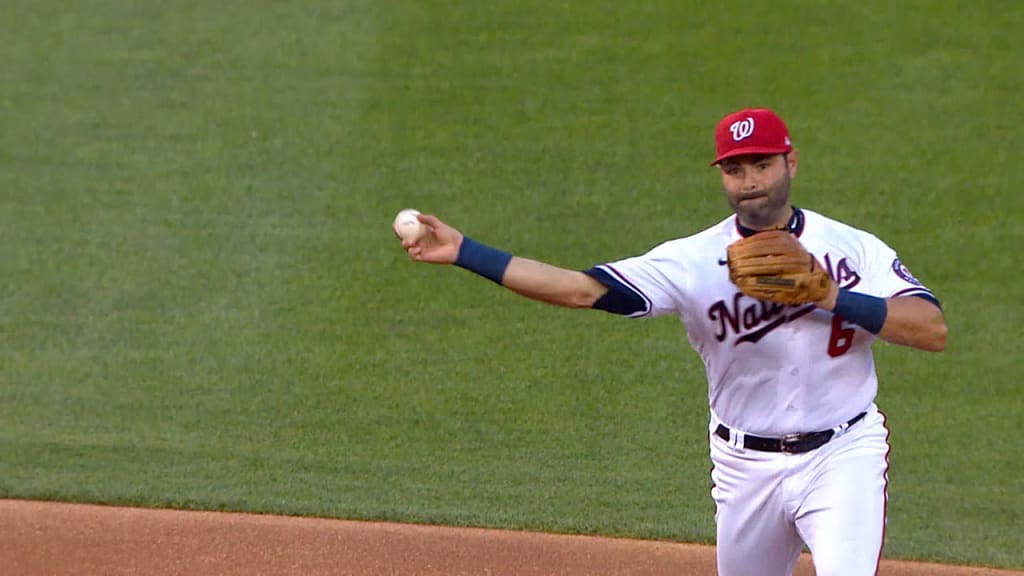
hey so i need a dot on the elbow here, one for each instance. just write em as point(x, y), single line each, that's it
point(923, 327)
point(570, 299)
point(578, 301)
point(937, 339)
point(586, 297)
point(931, 339)
point(587, 294)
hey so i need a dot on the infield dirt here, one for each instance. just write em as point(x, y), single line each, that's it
point(47, 538)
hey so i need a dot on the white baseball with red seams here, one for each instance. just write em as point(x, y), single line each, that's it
point(775, 370)
point(407, 226)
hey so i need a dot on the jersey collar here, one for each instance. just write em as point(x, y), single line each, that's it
point(795, 226)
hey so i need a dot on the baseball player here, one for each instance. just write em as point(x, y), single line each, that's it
point(782, 304)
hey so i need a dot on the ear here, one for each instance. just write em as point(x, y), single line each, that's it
point(791, 162)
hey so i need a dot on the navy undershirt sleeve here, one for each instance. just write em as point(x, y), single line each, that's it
point(929, 298)
point(620, 299)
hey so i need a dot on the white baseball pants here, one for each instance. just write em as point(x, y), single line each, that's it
point(769, 505)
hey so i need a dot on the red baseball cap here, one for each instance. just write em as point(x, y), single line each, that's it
point(751, 131)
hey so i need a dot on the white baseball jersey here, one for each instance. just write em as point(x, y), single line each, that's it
point(772, 369)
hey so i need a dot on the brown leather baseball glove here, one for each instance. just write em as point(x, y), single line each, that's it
point(774, 266)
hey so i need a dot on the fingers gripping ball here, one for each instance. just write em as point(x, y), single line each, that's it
point(407, 226)
point(774, 266)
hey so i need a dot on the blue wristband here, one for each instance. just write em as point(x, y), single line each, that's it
point(482, 259)
point(866, 311)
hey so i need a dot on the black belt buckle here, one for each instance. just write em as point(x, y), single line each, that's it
point(791, 443)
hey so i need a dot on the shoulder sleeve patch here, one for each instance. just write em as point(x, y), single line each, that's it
point(903, 273)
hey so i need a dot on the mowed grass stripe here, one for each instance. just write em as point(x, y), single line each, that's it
point(205, 307)
point(153, 261)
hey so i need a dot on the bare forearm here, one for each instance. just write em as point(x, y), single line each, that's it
point(915, 322)
point(551, 284)
point(529, 278)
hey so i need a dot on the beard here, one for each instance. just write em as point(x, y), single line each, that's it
point(763, 209)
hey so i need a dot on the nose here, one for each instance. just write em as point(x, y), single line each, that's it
point(749, 181)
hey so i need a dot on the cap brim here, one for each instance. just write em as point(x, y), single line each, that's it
point(752, 150)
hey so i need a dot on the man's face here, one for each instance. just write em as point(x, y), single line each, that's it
point(757, 187)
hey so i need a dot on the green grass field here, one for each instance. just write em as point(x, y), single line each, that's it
point(202, 304)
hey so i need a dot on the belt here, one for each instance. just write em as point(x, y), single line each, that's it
point(790, 443)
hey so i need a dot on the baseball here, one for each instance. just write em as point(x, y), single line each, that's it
point(407, 227)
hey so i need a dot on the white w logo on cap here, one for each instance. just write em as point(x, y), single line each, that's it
point(742, 128)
